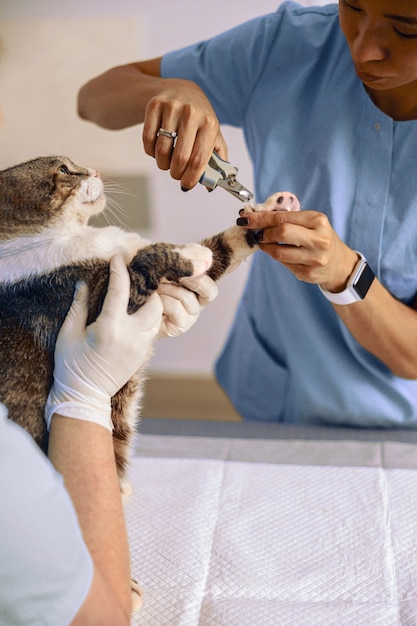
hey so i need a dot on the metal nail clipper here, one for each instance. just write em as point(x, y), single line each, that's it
point(220, 173)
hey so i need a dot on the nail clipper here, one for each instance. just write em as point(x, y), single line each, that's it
point(220, 173)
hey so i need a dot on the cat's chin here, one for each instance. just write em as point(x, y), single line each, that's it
point(94, 207)
point(91, 193)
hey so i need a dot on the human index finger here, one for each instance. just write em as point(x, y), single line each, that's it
point(269, 219)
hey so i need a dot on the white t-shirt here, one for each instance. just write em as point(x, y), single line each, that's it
point(45, 568)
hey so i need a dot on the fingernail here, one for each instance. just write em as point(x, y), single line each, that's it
point(242, 221)
point(184, 188)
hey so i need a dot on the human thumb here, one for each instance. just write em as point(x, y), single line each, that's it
point(76, 319)
point(148, 318)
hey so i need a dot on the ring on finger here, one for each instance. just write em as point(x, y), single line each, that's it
point(165, 133)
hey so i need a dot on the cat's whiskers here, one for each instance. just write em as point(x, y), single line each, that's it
point(118, 190)
point(113, 206)
point(114, 188)
point(115, 209)
point(118, 206)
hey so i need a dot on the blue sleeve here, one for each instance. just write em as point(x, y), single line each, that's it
point(227, 65)
point(45, 568)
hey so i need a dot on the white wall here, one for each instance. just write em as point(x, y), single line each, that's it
point(49, 49)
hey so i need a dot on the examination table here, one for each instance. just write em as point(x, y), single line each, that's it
point(270, 525)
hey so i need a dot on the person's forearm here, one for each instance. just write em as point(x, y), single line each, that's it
point(385, 327)
point(118, 98)
point(83, 453)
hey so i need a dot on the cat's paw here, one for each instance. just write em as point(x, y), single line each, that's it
point(280, 201)
point(200, 257)
point(136, 595)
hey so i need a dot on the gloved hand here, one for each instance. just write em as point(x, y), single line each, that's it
point(183, 303)
point(92, 363)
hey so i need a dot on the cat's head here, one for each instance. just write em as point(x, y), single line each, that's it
point(38, 193)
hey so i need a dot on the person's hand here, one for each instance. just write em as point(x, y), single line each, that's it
point(305, 242)
point(92, 363)
point(181, 107)
point(183, 303)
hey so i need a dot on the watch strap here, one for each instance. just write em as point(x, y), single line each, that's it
point(357, 286)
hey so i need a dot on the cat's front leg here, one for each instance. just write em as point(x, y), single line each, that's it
point(164, 261)
point(229, 248)
point(147, 269)
point(234, 245)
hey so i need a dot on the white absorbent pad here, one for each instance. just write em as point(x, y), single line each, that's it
point(221, 543)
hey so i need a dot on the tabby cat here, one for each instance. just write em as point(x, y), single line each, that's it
point(46, 246)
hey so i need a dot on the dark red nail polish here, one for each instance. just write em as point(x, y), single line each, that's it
point(242, 221)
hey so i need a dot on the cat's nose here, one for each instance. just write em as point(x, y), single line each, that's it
point(94, 173)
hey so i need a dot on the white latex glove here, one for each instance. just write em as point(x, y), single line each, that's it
point(184, 303)
point(92, 363)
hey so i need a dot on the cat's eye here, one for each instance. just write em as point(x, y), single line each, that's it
point(63, 169)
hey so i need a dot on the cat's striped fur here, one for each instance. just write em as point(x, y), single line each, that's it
point(46, 246)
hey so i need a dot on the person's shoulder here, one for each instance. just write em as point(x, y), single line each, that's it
point(295, 8)
point(308, 16)
point(307, 27)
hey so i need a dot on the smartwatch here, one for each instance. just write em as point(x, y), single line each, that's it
point(357, 286)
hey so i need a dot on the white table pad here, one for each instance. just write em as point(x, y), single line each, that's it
point(217, 540)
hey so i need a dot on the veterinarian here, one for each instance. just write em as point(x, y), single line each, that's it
point(64, 555)
point(326, 331)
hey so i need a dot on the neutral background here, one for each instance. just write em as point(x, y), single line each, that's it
point(48, 50)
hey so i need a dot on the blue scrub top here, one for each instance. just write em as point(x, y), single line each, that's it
point(287, 79)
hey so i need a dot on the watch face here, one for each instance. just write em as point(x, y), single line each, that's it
point(362, 284)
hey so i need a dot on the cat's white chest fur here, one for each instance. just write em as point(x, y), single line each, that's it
point(62, 245)
point(68, 239)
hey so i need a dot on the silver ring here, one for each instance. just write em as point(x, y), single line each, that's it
point(166, 133)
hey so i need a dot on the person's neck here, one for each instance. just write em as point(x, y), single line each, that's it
point(400, 104)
